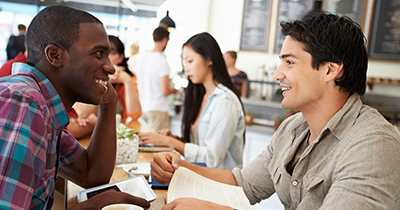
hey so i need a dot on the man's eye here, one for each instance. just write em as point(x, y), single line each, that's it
point(99, 53)
point(289, 62)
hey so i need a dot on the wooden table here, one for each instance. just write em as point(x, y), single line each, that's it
point(119, 174)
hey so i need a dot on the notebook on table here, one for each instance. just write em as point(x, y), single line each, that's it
point(152, 148)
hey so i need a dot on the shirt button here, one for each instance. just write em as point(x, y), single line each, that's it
point(294, 183)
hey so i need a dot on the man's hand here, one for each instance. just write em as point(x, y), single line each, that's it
point(110, 96)
point(164, 165)
point(112, 197)
point(193, 204)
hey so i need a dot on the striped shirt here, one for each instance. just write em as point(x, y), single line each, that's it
point(32, 140)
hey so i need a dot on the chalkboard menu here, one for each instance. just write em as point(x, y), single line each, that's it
point(289, 10)
point(384, 40)
point(351, 8)
point(256, 16)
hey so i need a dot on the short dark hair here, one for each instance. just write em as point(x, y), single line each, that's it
point(21, 27)
point(57, 25)
point(160, 33)
point(331, 38)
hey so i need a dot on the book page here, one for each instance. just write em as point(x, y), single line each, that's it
point(186, 183)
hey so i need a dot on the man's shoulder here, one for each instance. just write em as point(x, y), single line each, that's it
point(20, 86)
point(152, 63)
point(151, 55)
point(149, 58)
point(12, 37)
point(370, 121)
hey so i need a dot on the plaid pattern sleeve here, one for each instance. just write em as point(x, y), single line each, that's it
point(71, 150)
point(32, 118)
point(23, 149)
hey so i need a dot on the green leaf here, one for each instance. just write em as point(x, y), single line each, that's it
point(125, 132)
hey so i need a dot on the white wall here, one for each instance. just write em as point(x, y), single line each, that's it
point(223, 20)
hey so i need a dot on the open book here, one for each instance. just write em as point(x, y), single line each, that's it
point(186, 183)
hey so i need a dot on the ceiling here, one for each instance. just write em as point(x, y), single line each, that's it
point(145, 8)
point(145, 2)
point(139, 3)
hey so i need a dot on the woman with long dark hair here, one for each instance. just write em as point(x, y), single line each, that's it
point(213, 120)
point(124, 83)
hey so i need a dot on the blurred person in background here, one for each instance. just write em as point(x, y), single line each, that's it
point(239, 78)
point(152, 72)
point(213, 119)
point(16, 44)
point(134, 50)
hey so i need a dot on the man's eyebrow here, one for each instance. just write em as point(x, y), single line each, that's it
point(101, 47)
point(286, 55)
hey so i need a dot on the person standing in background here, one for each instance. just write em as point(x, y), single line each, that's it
point(239, 78)
point(16, 44)
point(134, 50)
point(152, 72)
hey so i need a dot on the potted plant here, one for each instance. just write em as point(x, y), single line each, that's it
point(127, 145)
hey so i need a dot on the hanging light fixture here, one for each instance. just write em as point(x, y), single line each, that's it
point(167, 22)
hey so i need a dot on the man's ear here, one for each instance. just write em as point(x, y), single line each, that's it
point(334, 70)
point(53, 55)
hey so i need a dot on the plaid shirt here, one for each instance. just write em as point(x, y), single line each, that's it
point(32, 140)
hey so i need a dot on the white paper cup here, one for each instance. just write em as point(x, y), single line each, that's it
point(122, 207)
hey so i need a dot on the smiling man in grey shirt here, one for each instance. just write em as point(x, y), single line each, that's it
point(336, 153)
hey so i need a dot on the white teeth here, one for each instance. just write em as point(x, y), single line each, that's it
point(102, 82)
point(285, 89)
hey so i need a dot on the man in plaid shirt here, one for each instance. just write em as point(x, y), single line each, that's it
point(67, 62)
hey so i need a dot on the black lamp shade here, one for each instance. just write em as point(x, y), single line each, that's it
point(167, 21)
